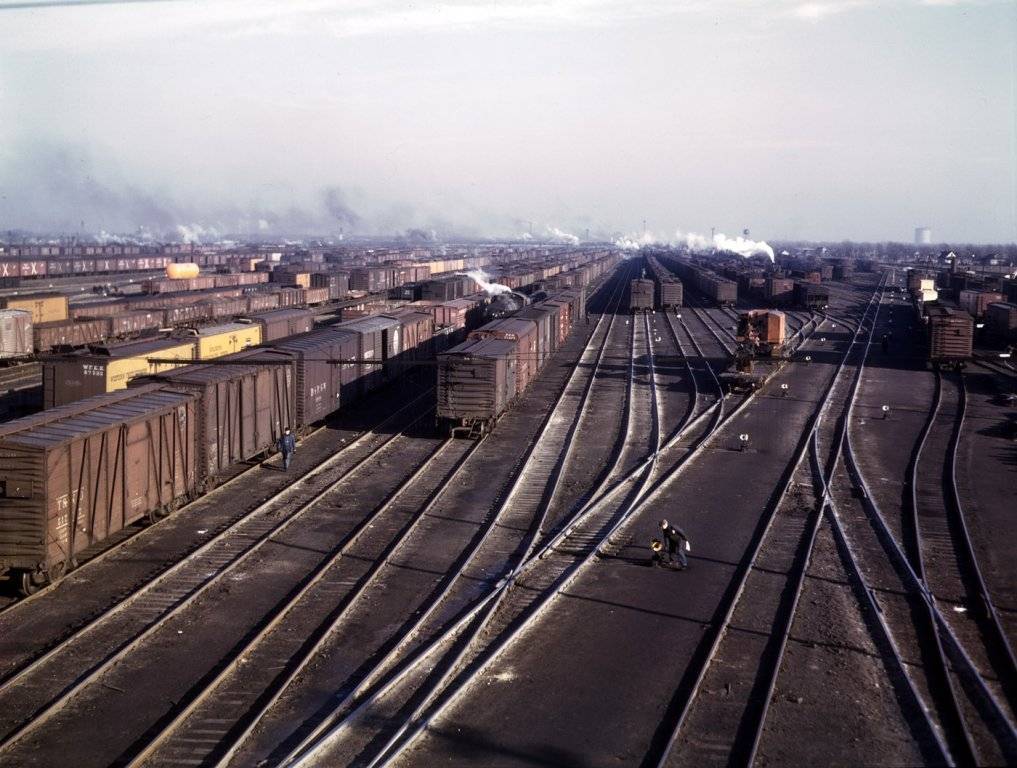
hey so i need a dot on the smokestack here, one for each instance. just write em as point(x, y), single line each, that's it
point(745, 233)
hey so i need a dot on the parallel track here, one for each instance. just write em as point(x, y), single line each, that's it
point(545, 458)
point(126, 625)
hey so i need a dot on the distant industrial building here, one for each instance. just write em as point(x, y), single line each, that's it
point(923, 236)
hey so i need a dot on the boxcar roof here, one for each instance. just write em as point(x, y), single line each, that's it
point(484, 348)
point(51, 433)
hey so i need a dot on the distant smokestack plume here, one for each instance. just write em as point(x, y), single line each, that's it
point(562, 236)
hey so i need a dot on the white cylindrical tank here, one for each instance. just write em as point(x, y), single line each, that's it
point(183, 271)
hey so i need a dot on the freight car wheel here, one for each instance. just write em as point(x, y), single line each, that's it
point(30, 582)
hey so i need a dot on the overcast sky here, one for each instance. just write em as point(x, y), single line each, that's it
point(819, 120)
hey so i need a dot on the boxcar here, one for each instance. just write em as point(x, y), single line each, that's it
point(281, 323)
point(670, 292)
point(242, 410)
point(45, 307)
point(16, 335)
point(641, 295)
point(545, 317)
point(476, 383)
point(107, 368)
point(218, 340)
point(321, 385)
point(524, 334)
point(381, 340)
point(75, 475)
point(70, 333)
point(134, 322)
point(951, 334)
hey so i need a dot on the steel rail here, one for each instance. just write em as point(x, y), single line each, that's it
point(757, 547)
point(958, 734)
point(54, 706)
point(211, 494)
point(325, 735)
point(13, 676)
point(282, 612)
point(988, 606)
point(825, 477)
point(962, 660)
point(419, 719)
point(465, 561)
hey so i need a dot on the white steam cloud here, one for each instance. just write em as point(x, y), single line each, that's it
point(562, 236)
point(195, 233)
point(484, 281)
point(721, 243)
point(635, 242)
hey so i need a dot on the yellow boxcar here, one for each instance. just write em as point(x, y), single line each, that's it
point(122, 370)
point(73, 377)
point(220, 340)
point(45, 307)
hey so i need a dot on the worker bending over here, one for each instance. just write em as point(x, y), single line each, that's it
point(676, 544)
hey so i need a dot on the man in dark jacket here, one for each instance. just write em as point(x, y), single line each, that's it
point(676, 543)
point(287, 445)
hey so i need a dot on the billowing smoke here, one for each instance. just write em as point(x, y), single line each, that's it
point(635, 242)
point(484, 281)
point(723, 244)
point(196, 234)
point(525, 236)
point(562, 236)
point(335, 204)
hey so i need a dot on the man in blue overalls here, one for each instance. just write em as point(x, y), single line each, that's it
point(288, 445)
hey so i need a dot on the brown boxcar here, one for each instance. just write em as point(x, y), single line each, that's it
point(97, 308)
point(135, 322)
point(107, 368)
point(321, 385)
point(262, 302)
point(243, 410)
point(282, 323)
point(641, 294)
point(73, 476)
point(670, 292)
point(524, 334)
point(476, 382)
point(16, 333)
point(951, 334)
point(380, 338)
point(545, 317)
point(70, 333)
point(417, 331)
point(1001, 319)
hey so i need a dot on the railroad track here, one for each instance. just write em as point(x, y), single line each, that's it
point(114, 546)
point(322, 744)
point(744, 665)
point(232, 737)
point(37, 691)
point(943, 556)
point(970, 722)
point(499, 619)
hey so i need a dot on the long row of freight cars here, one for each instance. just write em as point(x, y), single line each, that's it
point(74, 475)
point(479, 379)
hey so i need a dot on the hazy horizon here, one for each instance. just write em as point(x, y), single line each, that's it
point(821, 121)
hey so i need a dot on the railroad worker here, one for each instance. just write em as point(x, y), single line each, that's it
point(677, 543)
point(886, 342)
point(287, 445)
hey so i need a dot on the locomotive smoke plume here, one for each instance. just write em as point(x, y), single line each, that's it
point(724, 244)
point(486, 285)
